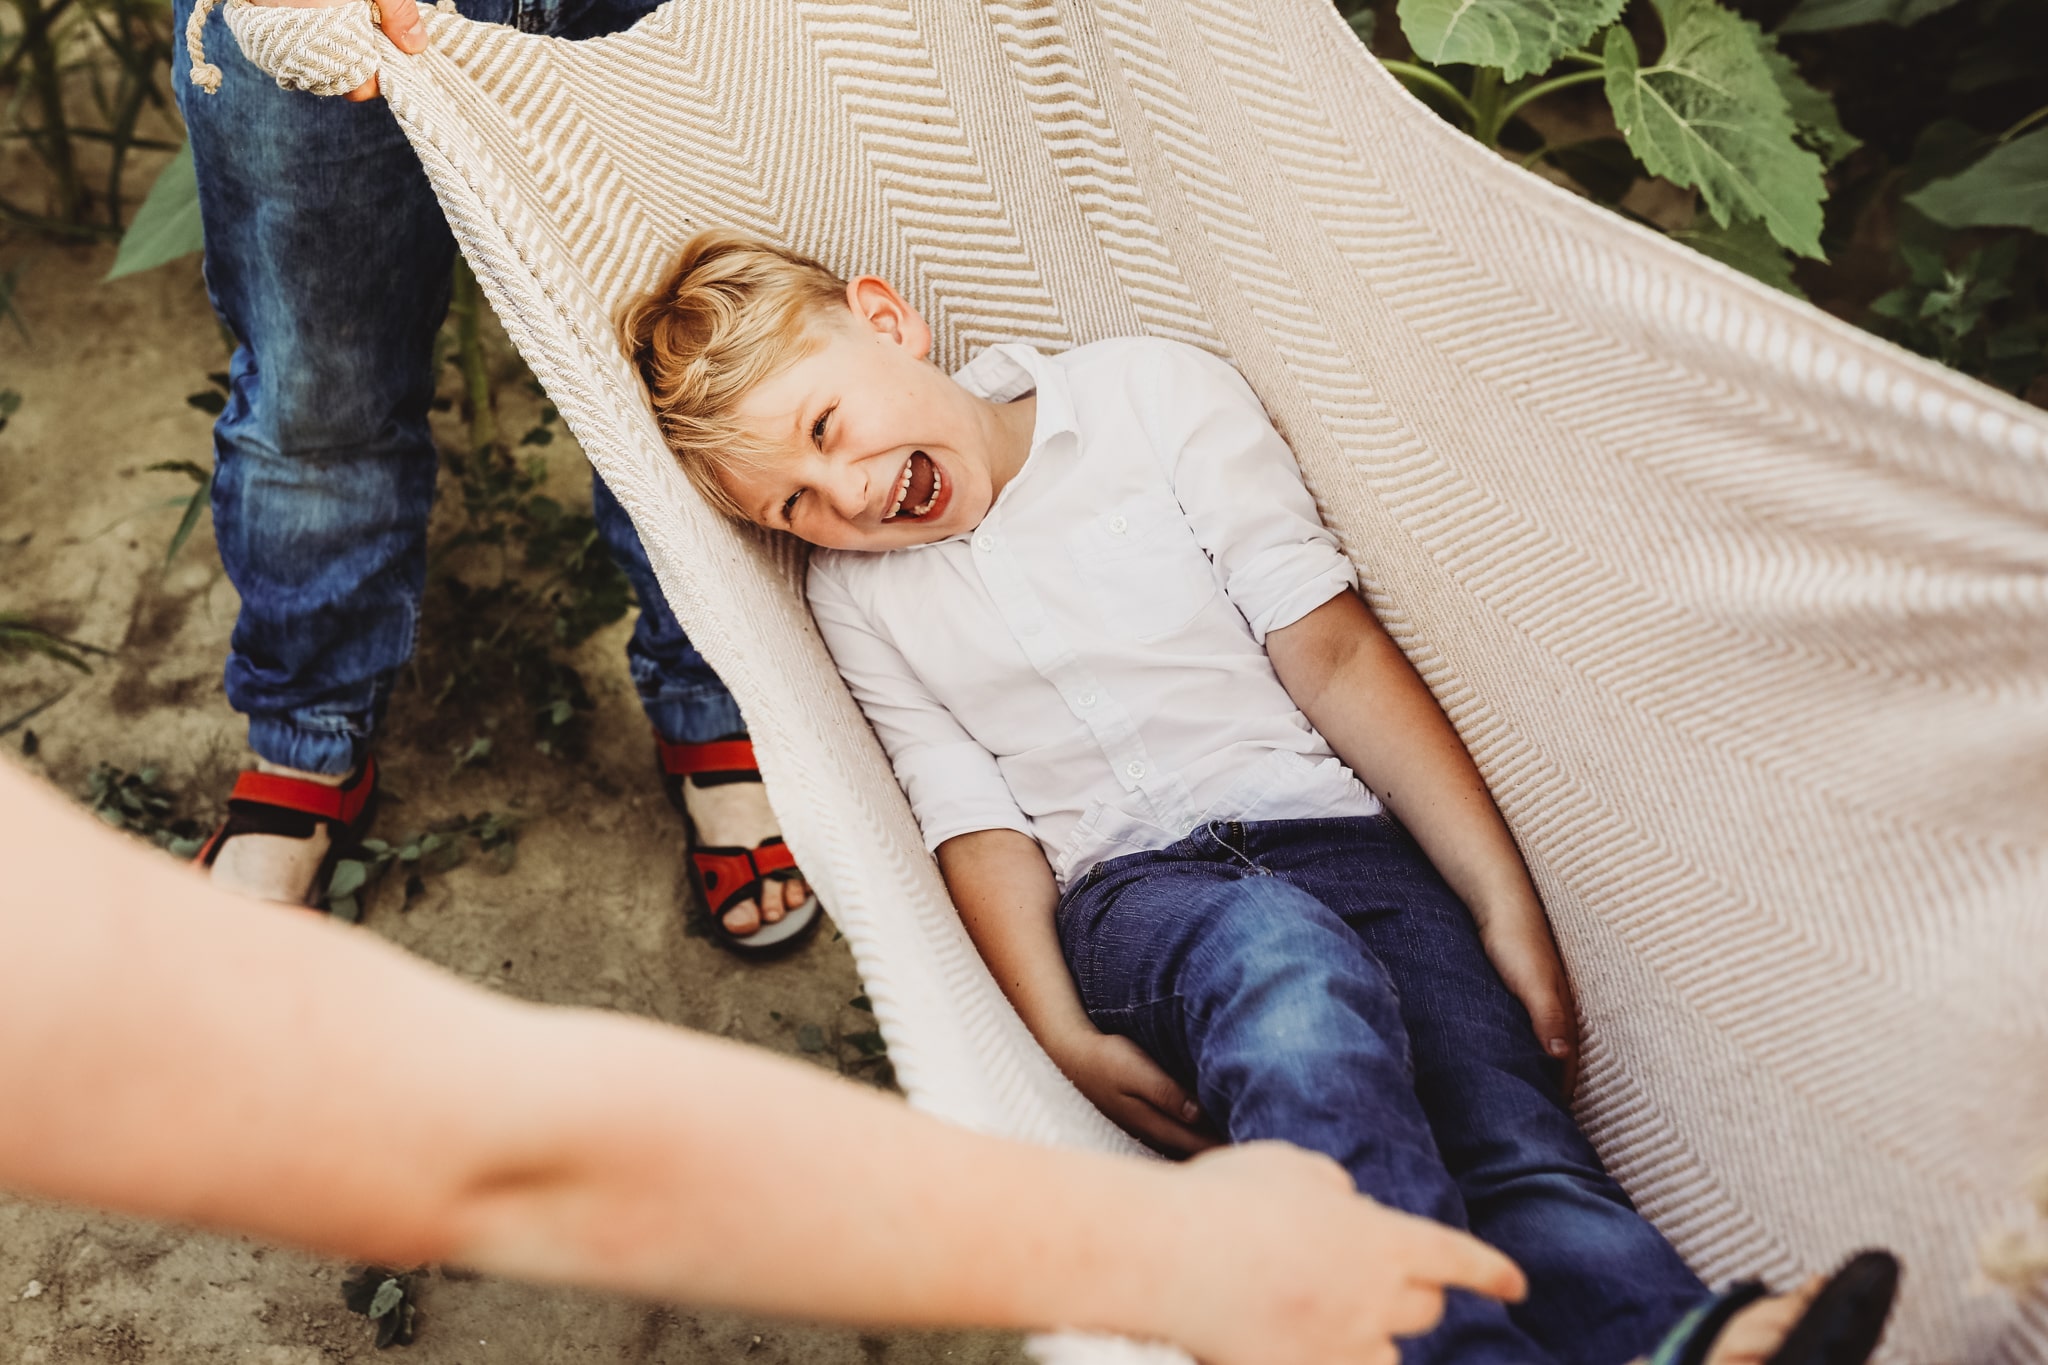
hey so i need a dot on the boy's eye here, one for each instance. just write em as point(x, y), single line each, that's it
point(818, 428)
point(789, 505)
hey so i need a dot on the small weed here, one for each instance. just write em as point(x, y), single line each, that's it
point(139, 803)
point(20, 638)
point(442, 847)
point(388, 1298)
point(522, 580)
point(862, 1054)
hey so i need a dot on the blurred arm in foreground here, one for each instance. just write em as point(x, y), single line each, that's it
point(172, 1052)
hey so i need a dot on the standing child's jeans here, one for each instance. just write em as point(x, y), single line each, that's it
point(1316, 980)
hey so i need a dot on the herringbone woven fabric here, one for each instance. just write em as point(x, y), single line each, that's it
point(1743, 613)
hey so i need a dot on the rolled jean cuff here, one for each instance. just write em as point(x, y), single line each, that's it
point(692, 715)
point(334, 747)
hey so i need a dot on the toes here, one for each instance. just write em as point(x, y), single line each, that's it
point(743, 919)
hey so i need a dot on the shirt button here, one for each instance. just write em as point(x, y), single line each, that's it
point(1118, 525)
point(1086, 699)
point(1134, 770)
point(984, 543)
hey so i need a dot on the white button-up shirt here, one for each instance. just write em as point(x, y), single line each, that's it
point(1087, 666)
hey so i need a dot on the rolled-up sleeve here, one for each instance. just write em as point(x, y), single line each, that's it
point(1242, 492)
point(952, 782)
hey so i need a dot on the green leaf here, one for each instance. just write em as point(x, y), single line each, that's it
point(1746, 245)
point(1813, 111)
point(1521, 37)
point(390, 1294)
point(349, 876)
point(1709, 114)
point(166, 227)
point(2006, 188)
point(201, 499)
point(1812, 16)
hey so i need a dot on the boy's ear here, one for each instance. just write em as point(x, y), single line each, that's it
point(878, 308)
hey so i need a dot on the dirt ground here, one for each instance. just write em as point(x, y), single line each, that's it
point(588, 912)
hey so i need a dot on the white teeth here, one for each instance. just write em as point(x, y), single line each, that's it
point(902, 491)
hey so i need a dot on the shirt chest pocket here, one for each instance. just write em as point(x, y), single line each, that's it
point(1140, 564)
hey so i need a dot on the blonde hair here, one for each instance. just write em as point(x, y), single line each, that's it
point(732, 312)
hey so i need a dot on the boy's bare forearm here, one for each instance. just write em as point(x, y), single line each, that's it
point(1357, 688)
point(1005, 892)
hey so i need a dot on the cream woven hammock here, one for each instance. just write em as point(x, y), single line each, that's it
point(1743, 613)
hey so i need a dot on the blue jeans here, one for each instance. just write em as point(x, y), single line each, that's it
point(328, 257)
point(1316, 981)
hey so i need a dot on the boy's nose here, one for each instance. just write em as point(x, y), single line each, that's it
point(848, 490)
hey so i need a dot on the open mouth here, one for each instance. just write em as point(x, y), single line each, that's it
point(919, 491)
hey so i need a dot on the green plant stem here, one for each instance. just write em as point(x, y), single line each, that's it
point(56, 227)
point(476, 374)
point(47, 80)
point(1486, 106)
point(30, 36)
point(147, 144)
point(2024, 124)
point(1535, 92)
point(1412, 74)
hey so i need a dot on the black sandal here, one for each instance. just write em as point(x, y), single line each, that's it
point(724, 875)
point(293, 808)
point(1841, 1326)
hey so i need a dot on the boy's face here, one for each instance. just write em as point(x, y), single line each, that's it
point(875, 449)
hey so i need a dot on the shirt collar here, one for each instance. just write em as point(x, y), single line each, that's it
point(1010, 370)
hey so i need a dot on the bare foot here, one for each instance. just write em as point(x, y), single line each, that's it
point(1752, 1335)
point(737, 814)
point(271, 867)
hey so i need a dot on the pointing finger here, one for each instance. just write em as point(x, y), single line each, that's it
point(1440, 1255)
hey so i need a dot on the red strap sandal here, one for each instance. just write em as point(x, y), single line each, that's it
point(293, 808)
point(727, 875)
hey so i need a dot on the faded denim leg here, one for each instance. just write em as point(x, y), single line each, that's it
point(1604, 1285)
point(1263, 1003)
point(328, 257)
point(683, 698)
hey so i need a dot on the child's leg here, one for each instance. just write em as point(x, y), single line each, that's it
point(1604, 1284)
point(1262, 1002)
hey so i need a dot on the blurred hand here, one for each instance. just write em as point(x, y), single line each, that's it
point(399, 19)
point(1120, 1080)
point(1286, 1265)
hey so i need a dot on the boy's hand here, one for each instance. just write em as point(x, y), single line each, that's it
point(1292, 1267)
point(1120, 1080)
point(1528, 965)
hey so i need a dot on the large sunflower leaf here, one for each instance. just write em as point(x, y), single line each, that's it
point(2008, 187)
point(1812, 16)
point(1813, 111)
point(1521, 37)
point(1709, 114)
point(1748, 246)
